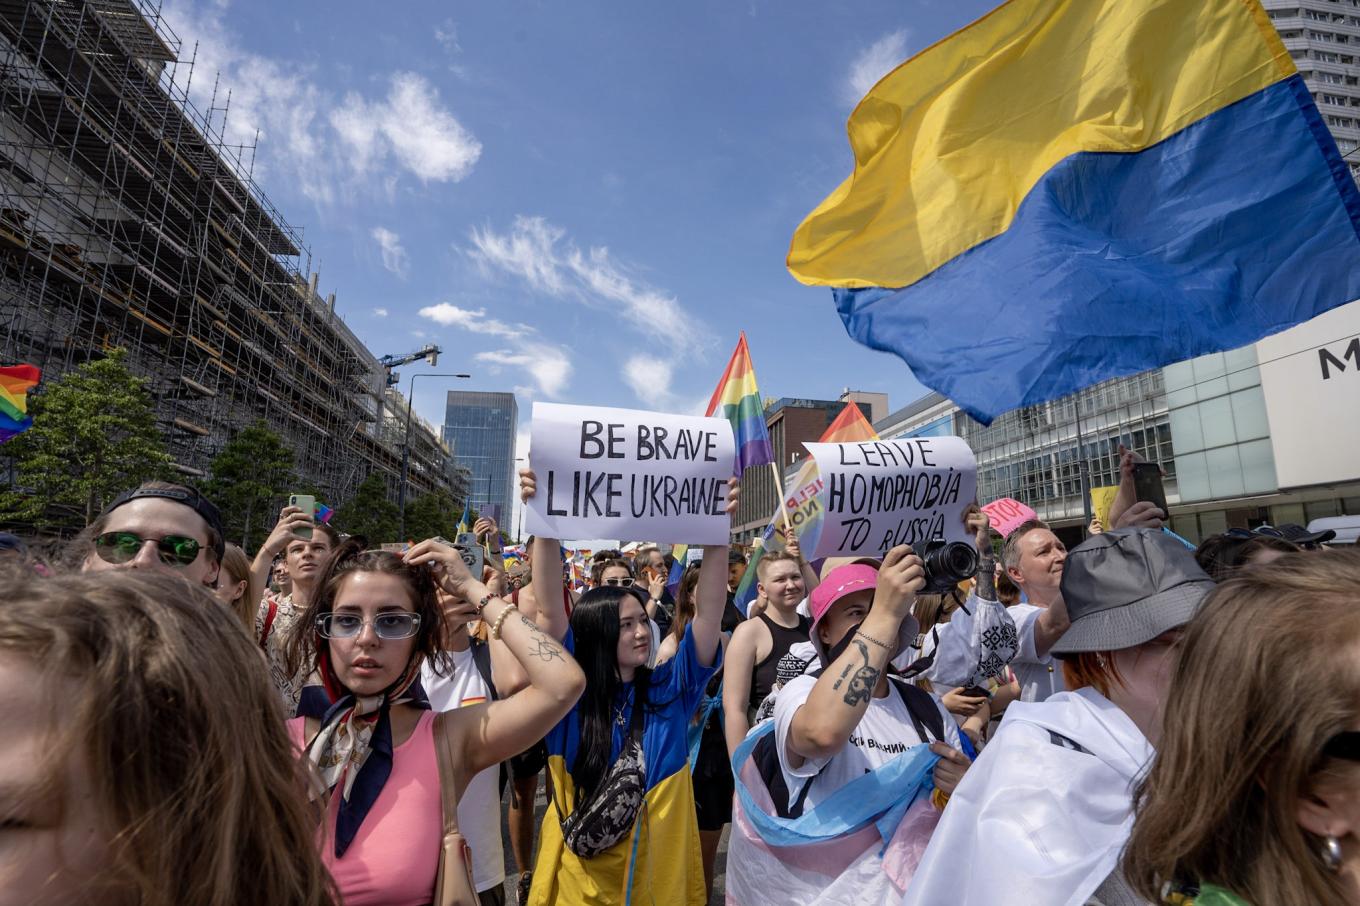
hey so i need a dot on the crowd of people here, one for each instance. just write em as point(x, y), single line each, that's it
point(1130, 721)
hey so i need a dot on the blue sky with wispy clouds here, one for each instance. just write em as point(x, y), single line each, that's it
point(580, 201)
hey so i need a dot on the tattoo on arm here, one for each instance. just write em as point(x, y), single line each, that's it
point(986, 580)
point(540, 646)
point(864, 679)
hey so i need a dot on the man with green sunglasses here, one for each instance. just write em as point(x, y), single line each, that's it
point(158, 526)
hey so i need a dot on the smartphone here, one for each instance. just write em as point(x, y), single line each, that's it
point(975, 692)
point(473, 555)
point(306, 503)
point(1147, 485)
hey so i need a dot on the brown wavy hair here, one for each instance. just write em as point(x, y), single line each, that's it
point(600, 564)
point(236, 568)
point(182, 734)
point(1268, 672)
point(304, 645)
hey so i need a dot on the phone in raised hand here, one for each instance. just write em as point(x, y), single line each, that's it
point(306, 503)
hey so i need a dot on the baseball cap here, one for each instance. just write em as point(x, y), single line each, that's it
point(1126, 587)
point(1297, 534)
point(186, 496)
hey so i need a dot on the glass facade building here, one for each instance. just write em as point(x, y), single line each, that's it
point(480, 431)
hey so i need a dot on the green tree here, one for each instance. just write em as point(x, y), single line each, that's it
point(247, 478)
point(431, 515)
point(369, 512)
point(94, 434)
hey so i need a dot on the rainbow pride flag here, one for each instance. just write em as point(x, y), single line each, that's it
point(680, 554)
point(15, 382)
point(737, 399)
point(324, 513)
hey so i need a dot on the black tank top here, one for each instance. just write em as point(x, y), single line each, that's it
point(765, 674)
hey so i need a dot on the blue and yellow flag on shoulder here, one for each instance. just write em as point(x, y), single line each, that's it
point(1067, 191)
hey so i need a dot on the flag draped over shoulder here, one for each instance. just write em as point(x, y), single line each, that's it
point(737, 399)
point(859, 845)
point(15, 382)
point(1067, 191)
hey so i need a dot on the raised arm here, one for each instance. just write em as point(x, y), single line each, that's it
point(488, 734)
point(822, 726)
point(711, 592)
point(291, 518)
point(546, 572)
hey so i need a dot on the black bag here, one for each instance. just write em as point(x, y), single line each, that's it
point(607, 817)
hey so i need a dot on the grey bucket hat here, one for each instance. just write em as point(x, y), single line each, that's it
point(1126, 587)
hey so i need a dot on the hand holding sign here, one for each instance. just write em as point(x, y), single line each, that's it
point(1008, 514)
point(623, 473)
point(880, 494)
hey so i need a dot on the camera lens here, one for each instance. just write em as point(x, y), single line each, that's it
point(952, 562)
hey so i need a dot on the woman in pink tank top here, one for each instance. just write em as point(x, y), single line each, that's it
point(365, 633)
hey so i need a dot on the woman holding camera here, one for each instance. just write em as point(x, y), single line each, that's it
point(372, 622)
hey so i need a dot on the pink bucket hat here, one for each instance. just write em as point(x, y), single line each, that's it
point(846, 580)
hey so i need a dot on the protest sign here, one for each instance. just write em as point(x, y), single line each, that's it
point(1101, 500)
point(1008, 514)
point(625, 473)
point(879, 494)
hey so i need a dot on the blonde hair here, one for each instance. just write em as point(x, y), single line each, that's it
point(236, 568)
point(1267, 673)
point(182, 735)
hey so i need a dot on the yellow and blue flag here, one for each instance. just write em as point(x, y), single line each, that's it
point(1067, 191)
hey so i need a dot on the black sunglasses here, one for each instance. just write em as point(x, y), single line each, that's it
point(1344, 745)
point(123, 547)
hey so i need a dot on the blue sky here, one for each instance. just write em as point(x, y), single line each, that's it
point(581, 202)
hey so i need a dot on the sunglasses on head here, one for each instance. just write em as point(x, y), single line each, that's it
point(123, 547)
point(1344, 745)
point(388, 626)
point(625, 582)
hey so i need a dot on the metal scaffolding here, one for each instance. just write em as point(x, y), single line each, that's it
point(127, 220)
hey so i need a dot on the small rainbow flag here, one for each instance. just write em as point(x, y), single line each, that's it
point(324, 513)
point(680, 555)
point(15, 382)
point(739, 399)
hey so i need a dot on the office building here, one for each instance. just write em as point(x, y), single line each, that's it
point(480, 431)
point(1323, 37)
point(126, 221)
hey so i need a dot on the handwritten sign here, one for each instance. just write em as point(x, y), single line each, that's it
point(882, 493)
point(1101, 501)
point(1008, 514)
point(624, 473)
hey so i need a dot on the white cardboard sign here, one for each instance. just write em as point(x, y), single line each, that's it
point(878, 494)
point(624, 473)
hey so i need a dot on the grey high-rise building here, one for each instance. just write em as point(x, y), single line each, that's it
point(1323, 37)
point(480, 429)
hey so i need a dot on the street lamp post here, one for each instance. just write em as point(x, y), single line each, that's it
point(519, 532)
point(406, 448)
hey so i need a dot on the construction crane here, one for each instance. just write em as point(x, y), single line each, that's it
point(429, 353)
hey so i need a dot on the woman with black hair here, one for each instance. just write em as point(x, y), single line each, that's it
point(621, 825)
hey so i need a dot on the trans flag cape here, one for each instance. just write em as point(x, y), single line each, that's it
point(1068, 191)
point(859, 845)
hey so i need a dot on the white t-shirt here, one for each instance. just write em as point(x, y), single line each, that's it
point(479, 811)
point(884, 732)
point(1039, 677)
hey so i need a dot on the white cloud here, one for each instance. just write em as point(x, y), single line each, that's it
point(446, 33)
point(379, 312)
point(327, 146)
point(411, 125)
point(548, 365)
point(393, 255)
point(883, 56)
point(540, 254)
point(475, 320)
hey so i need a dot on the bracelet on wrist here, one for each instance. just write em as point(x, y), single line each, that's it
point(487, 598)
point(868, 638)
point(500, 621)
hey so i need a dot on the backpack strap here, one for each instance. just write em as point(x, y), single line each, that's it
point(270, 614)
point(481, 656)
point(925, 715)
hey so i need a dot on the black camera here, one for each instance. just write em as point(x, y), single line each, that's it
point(947, 564)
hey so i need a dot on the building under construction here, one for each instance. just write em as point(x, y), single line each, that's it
point(127, 221)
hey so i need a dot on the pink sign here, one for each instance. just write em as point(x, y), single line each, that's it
point(1007, 515)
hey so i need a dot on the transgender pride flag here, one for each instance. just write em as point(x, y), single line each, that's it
point(737, 399)
point(861, 844)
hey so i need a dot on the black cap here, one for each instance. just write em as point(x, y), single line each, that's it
point(1126, 587)
point(187, 496)
point(1299, 535)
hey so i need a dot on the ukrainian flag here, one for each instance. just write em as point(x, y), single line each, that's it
point(1067, 191)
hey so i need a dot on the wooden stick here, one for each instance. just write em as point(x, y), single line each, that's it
point(779, 489)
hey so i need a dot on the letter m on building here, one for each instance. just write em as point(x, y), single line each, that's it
point(1326, 358)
